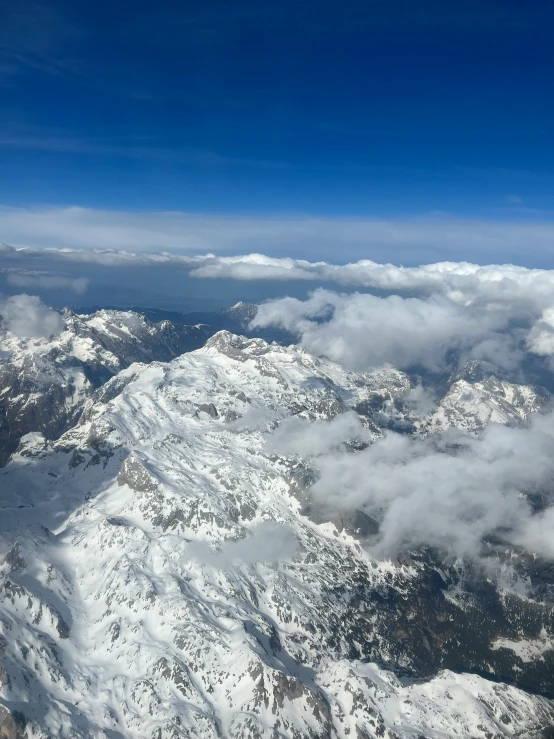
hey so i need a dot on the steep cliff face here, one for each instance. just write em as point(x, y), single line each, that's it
point(167, 572)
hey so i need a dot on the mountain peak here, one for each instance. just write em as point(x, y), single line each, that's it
point(235, 345)
point(242, 312)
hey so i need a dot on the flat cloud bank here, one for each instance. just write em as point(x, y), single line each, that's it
point(412, 240)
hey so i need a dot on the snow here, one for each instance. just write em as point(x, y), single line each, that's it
point(471, 406)
point(115, 627)
point(528, 650)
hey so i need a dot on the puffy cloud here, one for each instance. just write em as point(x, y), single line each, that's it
point(420, 401)
point(48, 282)
point(361, 330)
point(463, 282)
point(26, 316)
point(516, 289)
point(519, 294)
point(260, 267)
point(450, 492)
point(536, 534)
point(540, 339)
point(268, 542)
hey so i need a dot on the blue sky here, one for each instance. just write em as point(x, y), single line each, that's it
point(337, 108)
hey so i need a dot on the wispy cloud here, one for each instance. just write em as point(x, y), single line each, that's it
point(451, 491)
point(48, 282)
point(269, 542)
point(403, 240)
point(361, 331)
point(37, 37)
point(131, 148)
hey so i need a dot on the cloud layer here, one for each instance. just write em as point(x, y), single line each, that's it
point(419, 315)
point(450, 492)
point(508, 285)
point(414, 240)
point(48, 282)
point(361, 331)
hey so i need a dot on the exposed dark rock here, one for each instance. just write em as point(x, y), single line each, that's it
point(12, 725)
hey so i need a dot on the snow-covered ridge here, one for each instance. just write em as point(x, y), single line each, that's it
point(119, 618)
point(44, 382)
point(470, 406)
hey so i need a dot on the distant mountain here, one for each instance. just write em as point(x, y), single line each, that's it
point(476, 396)
point(172, 575)
point(44, 382)
point(235, 319)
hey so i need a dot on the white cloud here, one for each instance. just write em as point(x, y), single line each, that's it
point(49, 282)
point(361, 331)
point(26, 316)
point(523, 296)
point(537, 533)
point(541, 337)
point(514, 288)
point(420, 402)
point(449, 492)
point(267, 542)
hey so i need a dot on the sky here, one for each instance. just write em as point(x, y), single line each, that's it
point(400, 131)
point(346, 109)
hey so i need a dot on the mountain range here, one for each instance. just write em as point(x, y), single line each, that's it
point(167, 569)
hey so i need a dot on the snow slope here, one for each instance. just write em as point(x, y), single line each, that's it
point(470, 406)
point(44, 382)
point(167, 581)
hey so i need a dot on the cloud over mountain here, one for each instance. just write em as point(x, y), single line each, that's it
point(361, 330)
point(27, 316)
point(451, 491)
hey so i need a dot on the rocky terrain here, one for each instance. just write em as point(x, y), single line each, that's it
point(166, 570)
point(44, 382)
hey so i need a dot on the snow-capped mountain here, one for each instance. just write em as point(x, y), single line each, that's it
point(44, 382)
point(242, 312)
point(171, 575)
point(477, 397)
point(235, 319)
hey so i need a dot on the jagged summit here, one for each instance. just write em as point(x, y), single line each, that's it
point(472, 405)
point(475, 371)
point(229, 343)
point(228, 338)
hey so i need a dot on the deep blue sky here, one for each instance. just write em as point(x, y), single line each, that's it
point(325, 107)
